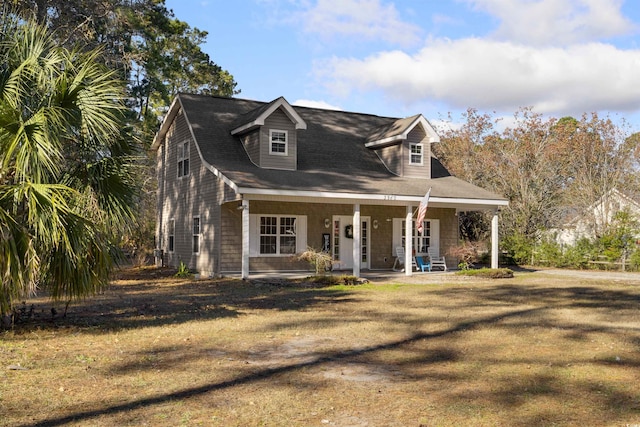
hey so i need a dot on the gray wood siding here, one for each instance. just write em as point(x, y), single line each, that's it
point(173, 191)
point(198, 194)
point(396, 156)
point(416, 136)
point(160, 199)
point(391, 156)
point(280, 121)
point(251, 144)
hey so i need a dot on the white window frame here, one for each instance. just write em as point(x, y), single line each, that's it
point(196, 233)
point(184, 167)
point(300, 229)
point(272, 132)
point(431, 226)
point(419, 154)
point(282, 230)
point(171, 236)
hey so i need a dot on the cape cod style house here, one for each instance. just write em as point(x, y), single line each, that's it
point(243, 186)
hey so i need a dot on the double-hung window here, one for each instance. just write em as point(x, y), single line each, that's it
point(278, 235)
point(416, 154)
point(278, 142)
point(195, 244)
point(420, 242)
point(183, 159)
point(172, 234)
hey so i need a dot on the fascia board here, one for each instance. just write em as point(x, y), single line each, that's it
point(420, 119)
point(431, 132)
point(219, 174)
point(247, 126)
point(247, 192)
point(290, 111)
point(166, 122)
point(259, 121)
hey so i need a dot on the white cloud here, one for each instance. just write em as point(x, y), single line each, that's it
point(315, 104)
point(491, 75)
point(367, 19)
point(556, 22)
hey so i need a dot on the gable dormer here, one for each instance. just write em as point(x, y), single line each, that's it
point(269, 135)
point(404, 146)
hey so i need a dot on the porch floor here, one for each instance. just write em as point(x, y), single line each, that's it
point(371, 275)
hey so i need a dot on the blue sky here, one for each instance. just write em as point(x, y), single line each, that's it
point(403, 57)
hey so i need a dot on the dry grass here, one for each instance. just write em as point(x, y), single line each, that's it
point(532, 350)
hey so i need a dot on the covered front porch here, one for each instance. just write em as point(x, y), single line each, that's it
point(385, 221)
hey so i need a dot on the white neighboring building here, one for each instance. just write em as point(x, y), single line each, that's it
point(596, 218)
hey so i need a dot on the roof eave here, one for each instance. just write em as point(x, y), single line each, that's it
point(420, 119)
point(453, 202)
point(175, 107)
point(259, 121)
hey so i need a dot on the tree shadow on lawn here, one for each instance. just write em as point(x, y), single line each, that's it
point(267, 373)
point(590, 297)
point(521, 306)
point(507, 394)
point(143, 303)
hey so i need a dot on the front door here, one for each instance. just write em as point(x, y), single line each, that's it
point(343, 241)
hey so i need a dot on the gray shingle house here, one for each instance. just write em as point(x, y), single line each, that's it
point(245, 185)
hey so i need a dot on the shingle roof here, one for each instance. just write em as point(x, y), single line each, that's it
point(332, 156)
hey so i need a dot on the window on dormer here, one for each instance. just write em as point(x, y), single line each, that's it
point(278, 142)
point(416, 154)
point(183, 159)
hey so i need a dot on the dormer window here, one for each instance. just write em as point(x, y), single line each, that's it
point(416, 154)
point(278, 142)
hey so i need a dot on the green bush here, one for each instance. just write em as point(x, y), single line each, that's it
point(183, 270)
point(549, 253)
point(519, 247)
point(634, 260)
point(579, 255)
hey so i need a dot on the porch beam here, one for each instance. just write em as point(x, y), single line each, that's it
point(408, 250)
point(357, 244)
point(245, 239)
point(494, 240)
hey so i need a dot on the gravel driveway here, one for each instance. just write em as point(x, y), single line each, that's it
point(594, 274)
point(449, 276)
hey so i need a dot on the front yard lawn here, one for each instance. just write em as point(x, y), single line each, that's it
point(164, 351)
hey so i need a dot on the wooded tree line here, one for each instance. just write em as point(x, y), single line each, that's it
point(155, 55)
point(153, 52)
point(83, 84)
point(548, 168)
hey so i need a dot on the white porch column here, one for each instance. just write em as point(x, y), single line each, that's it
point(494, 240)
point(245, 239)
point(357, 244)
point(408, 249)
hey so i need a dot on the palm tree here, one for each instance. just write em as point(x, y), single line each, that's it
point(67, 178)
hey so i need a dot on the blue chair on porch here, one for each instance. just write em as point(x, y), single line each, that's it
point(422, 265)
